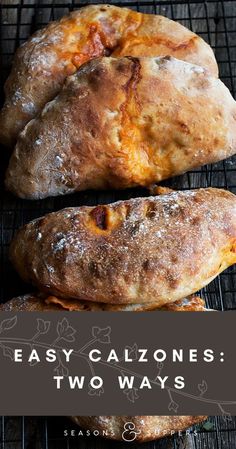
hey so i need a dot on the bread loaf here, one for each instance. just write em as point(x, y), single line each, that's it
point(121, 123)
point(42, 63)
point(41, 303)
point(144, 250)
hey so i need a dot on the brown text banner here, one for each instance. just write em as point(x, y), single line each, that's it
point(153, 363)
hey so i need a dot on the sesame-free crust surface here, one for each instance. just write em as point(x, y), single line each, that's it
point(42, 63)
point(36, 302)
point(144, 250)
point(124, 122)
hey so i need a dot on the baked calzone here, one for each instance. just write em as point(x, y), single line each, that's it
point(38, 302)
point(164, 247)
point(121, 123)
point(41, 65)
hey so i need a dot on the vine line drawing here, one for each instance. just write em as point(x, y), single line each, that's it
point(65, 332)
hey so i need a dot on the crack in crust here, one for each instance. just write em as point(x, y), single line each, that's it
point(129, 132)
point(122, 123)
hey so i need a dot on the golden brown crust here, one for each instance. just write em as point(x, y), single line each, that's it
point(28, 303)
point(121, 123)
point(144, 250)
point(41, 64)
point(148, 427)
point(191, 304)
point(41, 303)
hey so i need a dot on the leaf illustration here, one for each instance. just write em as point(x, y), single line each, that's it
point(95, 391)
point(132, 351)
point(65, 331)
point(7, 324)
point(131, 394)
point(61, 370)
point(102, 334)
point(8, 352)
point(160, 366)
point(173, 406)
point(202, 387)
point(43, 326)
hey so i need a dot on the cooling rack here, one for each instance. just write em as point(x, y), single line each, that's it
point(47, 433)
point(215, 21)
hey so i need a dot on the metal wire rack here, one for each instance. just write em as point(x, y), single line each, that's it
point(47, 433)
point(215, 21)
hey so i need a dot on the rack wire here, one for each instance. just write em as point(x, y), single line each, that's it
point(48, 433)
point(213, 20)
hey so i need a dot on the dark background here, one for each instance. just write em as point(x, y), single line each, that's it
point(215, 21)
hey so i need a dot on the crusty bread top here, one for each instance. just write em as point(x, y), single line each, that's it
point(147, 427)
point(144, 250)
point(36, 302)
point(42, 63)
point(121, 123)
